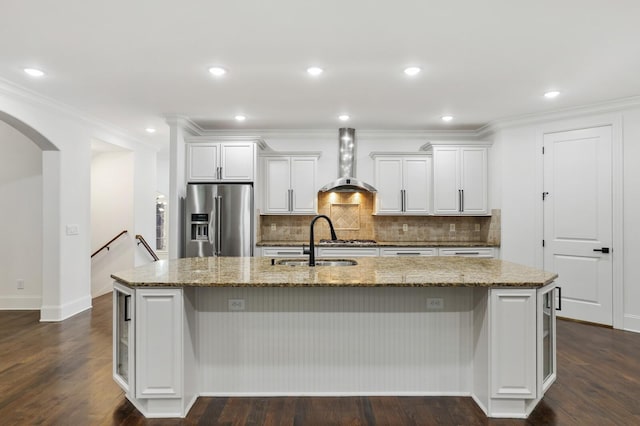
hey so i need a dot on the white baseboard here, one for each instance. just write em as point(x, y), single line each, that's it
point(631, 323)
point(20, 303)
point(53, 313)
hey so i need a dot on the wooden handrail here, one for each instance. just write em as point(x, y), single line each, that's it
point(142, 241)
point(106, 246)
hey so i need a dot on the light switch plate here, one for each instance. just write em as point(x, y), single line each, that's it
point(73, 230)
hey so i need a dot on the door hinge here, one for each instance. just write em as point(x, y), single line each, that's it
point(544, 195)
point(542, 243)
point(543, 150)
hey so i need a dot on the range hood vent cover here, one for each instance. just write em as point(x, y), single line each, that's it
point(347, 166)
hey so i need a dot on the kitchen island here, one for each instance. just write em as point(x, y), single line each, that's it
point(482, 328)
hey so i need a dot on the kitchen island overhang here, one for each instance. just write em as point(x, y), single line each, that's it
point(387, 326)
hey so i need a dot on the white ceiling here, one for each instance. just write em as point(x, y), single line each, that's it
point(131, 63)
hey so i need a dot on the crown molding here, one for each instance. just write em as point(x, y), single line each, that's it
point(38, 100)
point(559, 114)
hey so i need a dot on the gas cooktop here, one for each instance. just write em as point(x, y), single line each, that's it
point(347, 242)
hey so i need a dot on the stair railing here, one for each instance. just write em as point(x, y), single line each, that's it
point(146, 245)
point(106, 246)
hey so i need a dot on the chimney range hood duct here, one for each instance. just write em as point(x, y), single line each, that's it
point(347, 166)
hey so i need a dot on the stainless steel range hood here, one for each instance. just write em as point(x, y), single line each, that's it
point(347, 166)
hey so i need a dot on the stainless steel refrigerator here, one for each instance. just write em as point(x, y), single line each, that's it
point(218, 220)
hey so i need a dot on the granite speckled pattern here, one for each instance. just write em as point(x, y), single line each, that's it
point(416, 271)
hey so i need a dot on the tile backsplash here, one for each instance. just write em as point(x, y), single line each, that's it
point(351, 214)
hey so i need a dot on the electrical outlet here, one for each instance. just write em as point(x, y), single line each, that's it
point(405, 227)
point(452, 227)
point(435, 303)
point(236, 304)
point(273, 227)
point(20, 284)
point(477, 227)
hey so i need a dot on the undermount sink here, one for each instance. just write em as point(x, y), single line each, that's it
point(319, 262)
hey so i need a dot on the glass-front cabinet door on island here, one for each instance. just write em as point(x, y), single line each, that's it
point(123, 354)
point(547, 337)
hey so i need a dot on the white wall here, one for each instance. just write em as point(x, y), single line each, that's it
point(112, 211)
point(66, 136)
point(631, 193)
point(514, 189)
point(20, 220)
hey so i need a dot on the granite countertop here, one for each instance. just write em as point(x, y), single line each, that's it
point(437, 271)
point(382, 244)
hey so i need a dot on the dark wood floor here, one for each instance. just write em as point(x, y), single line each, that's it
point(60, 374)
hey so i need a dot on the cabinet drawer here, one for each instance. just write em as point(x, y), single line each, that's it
point(282, 252)
point(409, 251)
point(467, 251)
point(347, 251)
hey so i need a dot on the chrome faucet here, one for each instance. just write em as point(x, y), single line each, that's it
point(311, 251)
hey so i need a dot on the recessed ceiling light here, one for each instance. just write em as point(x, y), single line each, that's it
point(240, 117)
point(217, 71)
point(34, 72)
point(447, 118)
point(412, 71)
point(551, 94)
point(315, 71)
point(150, 130)
point(344, 117)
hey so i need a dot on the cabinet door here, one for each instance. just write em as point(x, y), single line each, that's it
point(159, 351)
point(303, 185)
point(416, 184)
point(446, 180)
point(277, 185)
point(202, 162)
point(123, 337)
point(388, 182)
point(546, 337)
point(237, 161)
point(473, 165)
point(513, 343)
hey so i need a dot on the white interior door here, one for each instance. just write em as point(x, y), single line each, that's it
point(577, 221)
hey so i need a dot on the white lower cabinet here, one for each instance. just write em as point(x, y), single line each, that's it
point(521, 328)
point(408, 251)
point(154, 357)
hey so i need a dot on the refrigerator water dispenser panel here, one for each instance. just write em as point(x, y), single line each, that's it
point(200, 227)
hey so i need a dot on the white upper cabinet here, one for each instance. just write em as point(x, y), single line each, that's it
point(460, 183)
point(403, 183)
point(221, 161)
point(290, 184)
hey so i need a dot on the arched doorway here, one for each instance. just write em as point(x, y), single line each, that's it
point(48, 239)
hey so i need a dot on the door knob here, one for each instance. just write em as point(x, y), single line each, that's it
point(603, 249)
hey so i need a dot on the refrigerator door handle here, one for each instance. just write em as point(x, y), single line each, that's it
point(218, 247)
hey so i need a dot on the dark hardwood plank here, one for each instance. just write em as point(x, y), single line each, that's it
point(60, 374)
